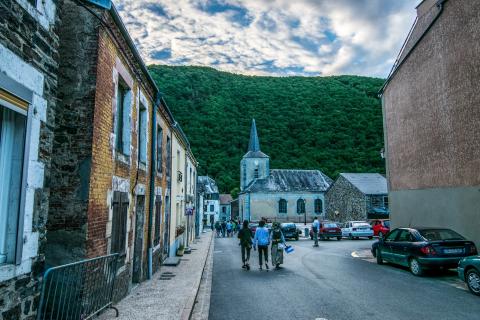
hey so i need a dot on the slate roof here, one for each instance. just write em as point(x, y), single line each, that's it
point(254, 144)
point(367, 183)
point(225, 198)
point(207, 185)
point(286, 180)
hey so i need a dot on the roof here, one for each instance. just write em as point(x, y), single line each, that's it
point(367, 183)
point(286, 180)
point(225, 198)
point(254, 144)
point(206, 185)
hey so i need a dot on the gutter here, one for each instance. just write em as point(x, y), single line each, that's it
point(440, 5)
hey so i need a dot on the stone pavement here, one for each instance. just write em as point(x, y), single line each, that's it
point(165, 297)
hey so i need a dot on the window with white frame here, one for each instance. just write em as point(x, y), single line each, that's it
point(122, 127)
point(13, 128)
point(142, 133)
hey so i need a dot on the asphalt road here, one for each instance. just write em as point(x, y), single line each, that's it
point(339, 280)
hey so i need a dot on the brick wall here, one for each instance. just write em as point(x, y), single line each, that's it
point(34, 42)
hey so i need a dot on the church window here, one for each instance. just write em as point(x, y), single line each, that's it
point(318, 206)
point(300, 206)
point(282, 206)
point(255, 173)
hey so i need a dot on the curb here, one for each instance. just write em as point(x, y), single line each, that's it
point(188, 309)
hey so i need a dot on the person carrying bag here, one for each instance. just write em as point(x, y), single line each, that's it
point(278, 244)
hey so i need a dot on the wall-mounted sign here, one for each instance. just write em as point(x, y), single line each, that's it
point(105, 4)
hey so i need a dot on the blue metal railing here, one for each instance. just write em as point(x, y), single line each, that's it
point(78, 291)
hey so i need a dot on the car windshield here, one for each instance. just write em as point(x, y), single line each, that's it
point(361, 225)
point(440, 234)
point(386, 224)
point(329, 225)
point(286, 225)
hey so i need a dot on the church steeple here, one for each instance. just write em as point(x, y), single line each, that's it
point(254, 144)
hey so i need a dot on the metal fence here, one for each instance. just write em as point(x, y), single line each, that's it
point(78, 291)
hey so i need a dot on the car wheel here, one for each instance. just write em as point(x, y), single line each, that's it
point(415, 267)
point(380, 235)
point(350, 237)
point(339, 238)
point(296, 238)
point(379, 256)
point(473, 281)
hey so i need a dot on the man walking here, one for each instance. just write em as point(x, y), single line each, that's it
point(262, 239)
point(315, 228)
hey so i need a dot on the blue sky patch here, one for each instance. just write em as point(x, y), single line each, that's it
point(162, 54)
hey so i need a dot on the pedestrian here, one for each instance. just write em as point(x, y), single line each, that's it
point(212, 218)
point(262, 239)
point(224, 228)
point(315, 227)
point(234, 227)
point(218, 228)
point(245, 235)
point(229, 229)
point(278, 244)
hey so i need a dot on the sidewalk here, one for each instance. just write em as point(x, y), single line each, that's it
point(164, 296)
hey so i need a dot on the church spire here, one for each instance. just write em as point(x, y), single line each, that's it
point(254, 144)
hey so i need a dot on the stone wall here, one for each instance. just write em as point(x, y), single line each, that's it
point(347, 200)
point(29, 58)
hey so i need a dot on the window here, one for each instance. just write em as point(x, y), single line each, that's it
point(159, 149)
point(212, 208)
point(282, 206)
point(318, 206)
point(33, 3)
point(405, 236)
point(255, 173)
point(385, 201)
point(376, 201)
point(300, 206)
point(12, 143)
point(158, 220)
point(224, 209)
point(169, 157)
point(119, 222)
point(392, 235)
point(142, 131)
point(122, 127)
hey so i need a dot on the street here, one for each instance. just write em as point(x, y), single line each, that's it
point(338, 280)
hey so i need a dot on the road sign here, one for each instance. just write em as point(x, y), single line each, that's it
point(105, 4)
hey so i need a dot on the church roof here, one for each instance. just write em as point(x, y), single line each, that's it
point(206, 185)
point(367, 183)
point(285, 180)
point(254, 144)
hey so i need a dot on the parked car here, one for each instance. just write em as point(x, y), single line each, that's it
point(290, 231)
point(422, 248)
point(469, 271)
point(253, 227)
point(380, 227)
point(357, 229)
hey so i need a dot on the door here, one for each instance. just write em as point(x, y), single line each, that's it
point(386, 245)
point(402, 247)
point(138, 246)
point(166, 228)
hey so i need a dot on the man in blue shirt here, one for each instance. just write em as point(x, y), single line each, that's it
point(315, 229)
point(262, 239)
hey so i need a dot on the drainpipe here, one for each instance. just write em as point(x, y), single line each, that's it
point(153, 168)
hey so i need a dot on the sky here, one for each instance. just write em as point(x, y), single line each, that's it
point(271, 37)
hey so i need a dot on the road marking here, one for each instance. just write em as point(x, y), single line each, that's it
point(365, 255)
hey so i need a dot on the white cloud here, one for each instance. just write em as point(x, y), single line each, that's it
point(280, 37)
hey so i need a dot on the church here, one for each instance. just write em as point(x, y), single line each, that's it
point(278, 194)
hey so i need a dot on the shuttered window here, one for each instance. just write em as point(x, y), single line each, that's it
point(123, 127)
point(159, 149)
point(142, 139)
point(119, 222)
point(158, 219)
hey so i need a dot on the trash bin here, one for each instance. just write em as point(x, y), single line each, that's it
point(307, 233)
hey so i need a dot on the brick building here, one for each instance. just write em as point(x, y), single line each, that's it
point(28, 85)
point(432, 121)
point(111, 164)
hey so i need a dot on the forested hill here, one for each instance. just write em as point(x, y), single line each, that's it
point(329, 123)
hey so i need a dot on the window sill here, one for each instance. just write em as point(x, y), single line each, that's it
point(142, 166)
point(123, 158)
point(160, 175)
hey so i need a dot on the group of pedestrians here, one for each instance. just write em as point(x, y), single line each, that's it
point(226, 228)
point(262, 239)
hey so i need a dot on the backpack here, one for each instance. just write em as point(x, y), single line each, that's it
point(277, 235)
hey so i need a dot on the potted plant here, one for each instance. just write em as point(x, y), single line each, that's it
point(180, 250)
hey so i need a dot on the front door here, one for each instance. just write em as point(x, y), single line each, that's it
point(386, 245)
point(166, 228)
point(138, 247)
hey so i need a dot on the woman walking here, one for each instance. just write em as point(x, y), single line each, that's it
point(245, 235)
point(278, 240)
point(262, 239)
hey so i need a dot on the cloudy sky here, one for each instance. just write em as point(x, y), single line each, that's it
point(271, 37)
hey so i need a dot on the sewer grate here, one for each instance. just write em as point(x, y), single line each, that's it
point(166, 273)
point(164, 278)
point(184, 259)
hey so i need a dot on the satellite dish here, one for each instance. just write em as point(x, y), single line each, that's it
point(105, 4)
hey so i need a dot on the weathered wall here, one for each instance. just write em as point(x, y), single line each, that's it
point(266, 205)
point(247, 170)
point(29, 59)
point(347, 200)
point(177, 194)
point(432, 127)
